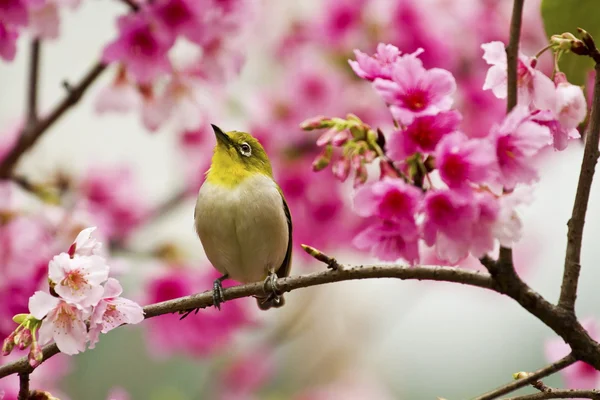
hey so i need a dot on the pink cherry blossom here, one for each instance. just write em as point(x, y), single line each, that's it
point(13, 12)
point(63, 322)
point(389, 240)
point(414, 90)
point(114, 198)
point(8, 42)
point(423, 134)
point(508, 228)
point(388, 199)
point(44, 20)
point(181, 102)
point(181, 17)
point(533, 85)
point(449, 218)
point(562, 114)
point(118, 393)
point(120, 96)
point(580, 375)
point(85, 244)
point(377, 66)
point(247, 374)
point(78, 279)
point(460, 160)
point(198, 334)
point(340, 20)
point(518, 139)
point(142, 46)
point(112, 311)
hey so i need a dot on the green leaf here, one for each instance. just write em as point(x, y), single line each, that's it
point(566, 16)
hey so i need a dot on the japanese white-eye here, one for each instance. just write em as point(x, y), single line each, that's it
point(242, 218)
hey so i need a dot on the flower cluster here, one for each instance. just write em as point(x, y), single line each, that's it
point(40, 16)
point(81, 295)
point(453, 191)
point(148, 77)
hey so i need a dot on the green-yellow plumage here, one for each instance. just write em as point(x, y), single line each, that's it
point(241, 216)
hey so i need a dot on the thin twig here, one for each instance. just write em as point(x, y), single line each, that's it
point(520, 383)
point(560, 394)
point(23, 386)
point(33, 84)
point(568, 290)
point(132, 5)
point(505, 258)
point(28, 139)
point(205, 299)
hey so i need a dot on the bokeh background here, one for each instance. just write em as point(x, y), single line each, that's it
point(377, 339)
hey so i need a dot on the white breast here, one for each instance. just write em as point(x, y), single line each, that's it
point(244, 230)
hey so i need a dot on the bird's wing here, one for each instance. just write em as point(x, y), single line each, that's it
point(284, 269)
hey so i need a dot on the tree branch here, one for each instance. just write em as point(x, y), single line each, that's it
point(205, 299)
point(33, 85)
point(30, 135)
point(568, 290)
point(560, 394)
point(518, 384)
point(23, 386)
point(505, 259)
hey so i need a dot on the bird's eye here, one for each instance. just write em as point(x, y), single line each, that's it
point(245, 149)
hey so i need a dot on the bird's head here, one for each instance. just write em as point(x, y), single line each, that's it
point(238, 155)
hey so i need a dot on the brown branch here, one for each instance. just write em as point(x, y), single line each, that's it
point(560, 394)
point(29, 138)
point(205, 299)
point(33, 85)
point(132, 5)
point(521, 383)
point(23, 386)
point(568, 290)
point(512, 56)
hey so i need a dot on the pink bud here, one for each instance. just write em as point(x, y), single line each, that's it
point(36, 356)
point(361, 175)
point(559, 78)
point(341, 169)
point(323, 160)
point(23, 339)
point(326, 137)
point(313, 123)
point(8, 344)
point(340, 138)
point(386, 169)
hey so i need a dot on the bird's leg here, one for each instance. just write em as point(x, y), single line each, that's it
point(270, 286)
point(217, 296)
point(218, 291)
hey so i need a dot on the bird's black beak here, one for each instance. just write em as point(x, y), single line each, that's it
point(221, 136)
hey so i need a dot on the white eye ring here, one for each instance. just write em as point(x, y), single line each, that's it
point(245, 149)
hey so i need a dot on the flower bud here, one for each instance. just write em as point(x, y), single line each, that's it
point(341, 169)
point(559, 78)
point(323, 160)
point(587, 39)
point(23, 339)
point(386, 169)
point(340, 138)
point(36, 356)
point(8, 345)
point(314, 123)
point(520, 375)
point(565, 42)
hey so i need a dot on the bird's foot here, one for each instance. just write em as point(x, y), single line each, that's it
point(218, 298)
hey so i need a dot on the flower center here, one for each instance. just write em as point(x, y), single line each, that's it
point(74, 280)
point(176, 13)
point(394, 203)
point(415, 100)
point(142, 42)
point(454, 167)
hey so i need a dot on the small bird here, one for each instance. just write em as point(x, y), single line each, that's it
point(242, 218)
